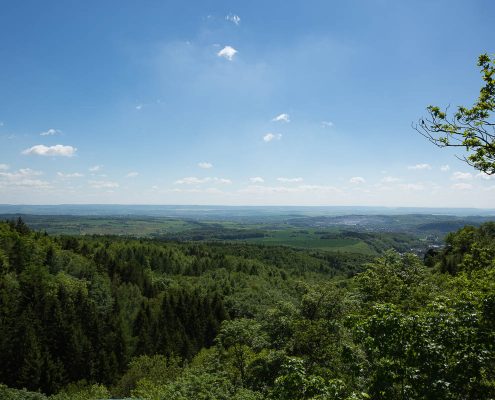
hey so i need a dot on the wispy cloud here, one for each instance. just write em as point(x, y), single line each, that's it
point(326, 124)
point(22, 172)
point(264, 190)
point(289, 180)
point(419, 167)
point(485, 176)
point(103, 184)
point(272, 136)
point(95, 168)
point(51, 132)
point(139, 107)
point(390, 179)
point(462, 186)
point(4, 167)
point(227, 52)
point(24, 177)
point(223, 181)
point(132, 174)
point(69, 175)
point(233, 18)
point(57, 150)
point(445, 168)
point(412, 186)
point(205, 165)
point(357, 180)
point(461, 176)
point(192, 180)
point(208, 190)
point(256, 179)
point(281, 118)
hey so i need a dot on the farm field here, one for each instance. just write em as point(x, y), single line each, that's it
point(364, 234)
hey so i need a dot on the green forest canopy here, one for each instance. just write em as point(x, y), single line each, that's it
point(95, 317)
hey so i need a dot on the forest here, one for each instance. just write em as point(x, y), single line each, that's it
point(105, 316)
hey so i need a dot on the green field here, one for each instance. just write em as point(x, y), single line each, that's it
point(122, 226)
point(311, 240)
point(296, 233)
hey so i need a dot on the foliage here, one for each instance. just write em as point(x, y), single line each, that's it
point(395, 279)
point(16, 394)
point(472, 128)
point(147, 371)
point(77, 392)
point(469, 249)
point(99, 317)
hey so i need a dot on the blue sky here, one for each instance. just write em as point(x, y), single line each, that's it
point(237, 102)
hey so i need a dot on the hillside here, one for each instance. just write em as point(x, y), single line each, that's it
point(99, 316)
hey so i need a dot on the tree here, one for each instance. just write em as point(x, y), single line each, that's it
point(240, 338)
point(472, 128)
point(156, 370)
point(394, 278)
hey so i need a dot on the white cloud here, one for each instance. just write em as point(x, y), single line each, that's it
point(412, 186)
point(357, 180)
point(23, 172)
point(70, 175)
point(213, 190)
point(95, 168)
point(485, 176)
point(289, 180)
point(4, 167)
point(205, 165)
point(233, 18)
point(445, 168)
point(281, 118)
point(222, 181)
point(227, 52)
point(192, 180)
point(103, 184)
point(210, 190)
point(139, 107)
point(27, 183)
point(272, 136)
point(132, 174)
point(1, 123)
point(461, 176)
point(419, 167)
point(154, 187)
point(390, 179)
point(462, 186)
point(57, 150)
point(24, 177)
point(51, 132)
point(326, 124)
point(257, 179)
point(264, 190)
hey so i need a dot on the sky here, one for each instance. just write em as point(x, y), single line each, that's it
point(237, 102)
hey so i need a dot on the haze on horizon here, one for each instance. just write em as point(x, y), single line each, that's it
point(237, 103)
